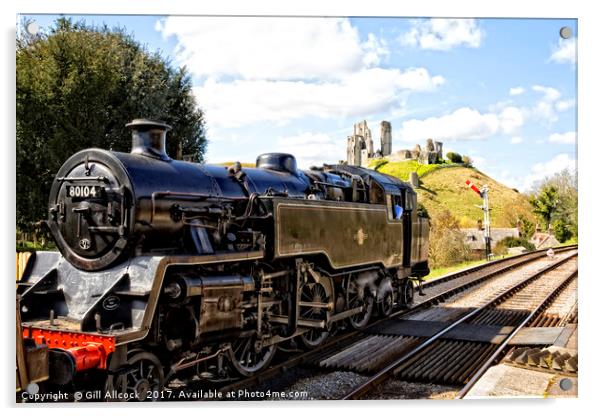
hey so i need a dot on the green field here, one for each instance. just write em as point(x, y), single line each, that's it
point(444, 187)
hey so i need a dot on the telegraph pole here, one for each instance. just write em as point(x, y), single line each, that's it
point(484, 194)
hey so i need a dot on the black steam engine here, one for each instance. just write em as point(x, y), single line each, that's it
point(169, 268)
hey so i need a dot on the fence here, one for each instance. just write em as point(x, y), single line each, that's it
point(22, 259)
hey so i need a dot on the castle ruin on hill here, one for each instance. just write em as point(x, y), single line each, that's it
point(360, 147)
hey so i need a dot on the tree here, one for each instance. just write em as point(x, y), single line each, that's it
point(454, 157)
point(561, 229)
point(564, 215)
point(545, 203)
point(467, 160)
point(77, 87)
point(527, 226)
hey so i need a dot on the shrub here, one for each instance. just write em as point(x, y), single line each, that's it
point(508, 242)
point(421, 211)
point(562, 230)
point(454, 157)
point(447, 244)
point(527, 226)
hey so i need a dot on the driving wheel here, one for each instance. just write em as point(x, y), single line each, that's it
point(358, 295)
point(406, 293)
point(248, 357)
point(141, 380)
point(314, 293)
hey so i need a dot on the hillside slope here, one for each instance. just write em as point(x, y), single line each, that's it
point(444, 187)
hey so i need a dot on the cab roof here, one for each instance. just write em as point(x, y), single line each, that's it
point(390, 184)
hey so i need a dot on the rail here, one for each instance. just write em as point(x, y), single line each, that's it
point(305, 357)
point(389, 370)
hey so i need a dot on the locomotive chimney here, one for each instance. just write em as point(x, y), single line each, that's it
point(148, 138)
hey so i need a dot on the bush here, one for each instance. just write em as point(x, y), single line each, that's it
point(421, 211)
point(508, 242)
point(454, 157)
point(562, 230)
point(527, 226)
point(447, 245)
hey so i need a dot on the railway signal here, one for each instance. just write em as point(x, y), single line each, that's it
point(484, 194)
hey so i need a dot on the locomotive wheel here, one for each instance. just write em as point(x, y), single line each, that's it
point(142, 380)
point(385, 306)
point(245, 357)
point(406, 293)
point(314, 292)
point(359, 295)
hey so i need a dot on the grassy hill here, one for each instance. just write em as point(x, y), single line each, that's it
point(444, 187)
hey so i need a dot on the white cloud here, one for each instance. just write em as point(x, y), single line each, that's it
point(502, 117)
point(511, 118)
point(569, 137)
point(462, 124)
point(479, 162)
point(281, 69)
point(542, 170)
point(443, 34)
point(312, 148)
point(563, 105)
point(516, 140)
point(240, 102)
point(538, 172)
point(271, 48)
point(547, 108)
point(565, 52)
point(516, 91)
point(550, 94)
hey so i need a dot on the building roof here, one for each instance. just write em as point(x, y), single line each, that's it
point(476, 241)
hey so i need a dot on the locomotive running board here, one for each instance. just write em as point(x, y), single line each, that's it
point(84, 291)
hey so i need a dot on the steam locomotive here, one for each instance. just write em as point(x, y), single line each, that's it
point(172, 269)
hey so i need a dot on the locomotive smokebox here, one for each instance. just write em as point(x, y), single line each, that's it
point(148, 138)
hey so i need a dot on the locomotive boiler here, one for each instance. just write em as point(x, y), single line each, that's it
point(172, 269)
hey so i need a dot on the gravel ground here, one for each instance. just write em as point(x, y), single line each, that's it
point(565, 301)
point(398, 390)
point(324, 386)
point(534, 293)
point(329, 386)
point(481, 294)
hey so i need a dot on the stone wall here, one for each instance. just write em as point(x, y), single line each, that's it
point(360, 147)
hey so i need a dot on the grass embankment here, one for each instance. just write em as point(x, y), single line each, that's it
point(441, 271)
point(403, 169)
point(443, 187)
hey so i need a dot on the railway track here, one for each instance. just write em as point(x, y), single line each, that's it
point(447, 357)
point(438, 291)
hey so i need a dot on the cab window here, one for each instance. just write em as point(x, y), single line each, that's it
point(410, 202)
point(395, 207)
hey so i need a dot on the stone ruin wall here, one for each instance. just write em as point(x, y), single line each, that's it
point(360, 147)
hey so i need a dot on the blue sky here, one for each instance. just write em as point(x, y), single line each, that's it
point(502, 91)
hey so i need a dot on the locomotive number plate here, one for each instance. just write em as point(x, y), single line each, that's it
point(83, 191)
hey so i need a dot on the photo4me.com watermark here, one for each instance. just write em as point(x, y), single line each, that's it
point(167, 395)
